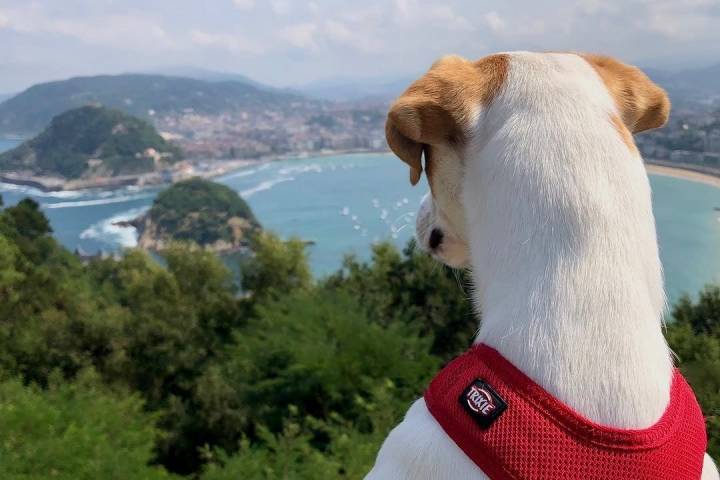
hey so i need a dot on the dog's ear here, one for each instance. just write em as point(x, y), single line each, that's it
point(413, 122)
point(642, 104)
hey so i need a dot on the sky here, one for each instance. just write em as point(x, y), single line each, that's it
point(295, 42)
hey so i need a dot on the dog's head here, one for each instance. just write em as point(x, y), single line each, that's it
point(441, 118)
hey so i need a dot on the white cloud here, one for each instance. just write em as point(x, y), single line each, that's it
point(593, 7)
point(301, 35)
point(403, 7)
point(494, 21)
point(678, 27)
point(244, 4)
point(432, 15)
point(280, 7)
point(338, 32)
point(446, 16)
point(127, 30)
point(352, 37)
point(233, 43)
point(680, 20)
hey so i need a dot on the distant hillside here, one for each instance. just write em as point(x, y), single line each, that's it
point(207, 75)
point(349, 90)
point(141, 95)
point(5, 96)
point(685, 85)
point(92, 142)
point(200, 211)
point(689, 85)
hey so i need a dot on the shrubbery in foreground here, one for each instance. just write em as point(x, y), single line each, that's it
point(126, 369)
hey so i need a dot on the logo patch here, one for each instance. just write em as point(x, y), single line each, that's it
point(482, 403)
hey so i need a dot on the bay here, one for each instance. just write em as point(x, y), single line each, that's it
point(346, 203)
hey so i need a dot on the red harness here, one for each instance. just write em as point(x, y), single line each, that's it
point(514, 430)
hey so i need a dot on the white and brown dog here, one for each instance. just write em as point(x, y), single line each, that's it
point(537, 186)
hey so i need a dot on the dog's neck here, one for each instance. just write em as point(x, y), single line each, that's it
point(566, 266)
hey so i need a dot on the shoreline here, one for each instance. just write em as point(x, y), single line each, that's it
point(667, 169)
point(663, 168)
point(154, 179)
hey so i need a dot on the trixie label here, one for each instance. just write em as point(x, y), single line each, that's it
point(482, 403)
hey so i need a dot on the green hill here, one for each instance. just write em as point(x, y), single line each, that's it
point(90, 142)
point(137, 94)
point(200, 211)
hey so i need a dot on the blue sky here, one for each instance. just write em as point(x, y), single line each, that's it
point(292, 42)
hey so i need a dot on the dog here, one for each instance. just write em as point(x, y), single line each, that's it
point(536, 185)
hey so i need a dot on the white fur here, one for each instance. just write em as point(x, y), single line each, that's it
point(556, 211)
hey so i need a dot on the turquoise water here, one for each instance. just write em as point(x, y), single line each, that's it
point(345, 203)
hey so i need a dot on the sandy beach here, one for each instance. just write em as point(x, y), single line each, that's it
point(684, 174)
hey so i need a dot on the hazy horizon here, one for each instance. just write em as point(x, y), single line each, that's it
point(288, 44)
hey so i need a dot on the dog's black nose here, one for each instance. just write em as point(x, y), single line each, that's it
point(436, 238)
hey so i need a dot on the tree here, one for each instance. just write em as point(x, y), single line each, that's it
point(74, 431)
point(412, 288)
point(276, 268)
point(694, 336)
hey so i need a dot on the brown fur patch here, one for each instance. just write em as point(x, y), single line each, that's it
point(625, 134)
point(438, 107)
point(641, 103)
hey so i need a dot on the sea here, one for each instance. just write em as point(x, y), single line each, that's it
point(343, 204)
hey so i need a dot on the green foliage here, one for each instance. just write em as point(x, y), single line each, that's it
point(116, 140)
point(74, 431)
point(347, 452)
point(276, 268)
point(174, 322)
point(702, 316)
point(694, 336)
point(414, 289)
point(200, 211)
point(285, 378)
point(310, 350)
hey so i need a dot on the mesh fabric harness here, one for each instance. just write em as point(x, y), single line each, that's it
point(538, 437)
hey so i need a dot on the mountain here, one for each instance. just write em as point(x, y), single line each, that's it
point(5, 96)
point(199, 211)
point(137, 94)
point(208, 75)
point(91, 142)
point(688, 85)
point(349, 90)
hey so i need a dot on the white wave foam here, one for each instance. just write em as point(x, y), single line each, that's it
point(97, 201)
point(34, 192)
point(314, 167)
point(240, 173)
point(106, 232)
point(266, 185)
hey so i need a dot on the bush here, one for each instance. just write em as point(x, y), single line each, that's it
point(694, 336)
point(414, 289)
point(287, 378)
point(74, 431)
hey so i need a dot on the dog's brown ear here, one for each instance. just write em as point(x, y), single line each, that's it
point(413, 122)
point(642, 104)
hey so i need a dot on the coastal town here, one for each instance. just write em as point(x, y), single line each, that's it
point(302, 128)
point(690, 140)
point(230, 130)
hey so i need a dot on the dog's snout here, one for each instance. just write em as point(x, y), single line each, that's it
point(436, 238)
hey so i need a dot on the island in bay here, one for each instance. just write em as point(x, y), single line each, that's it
point(92, 146)
point(199, 211)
